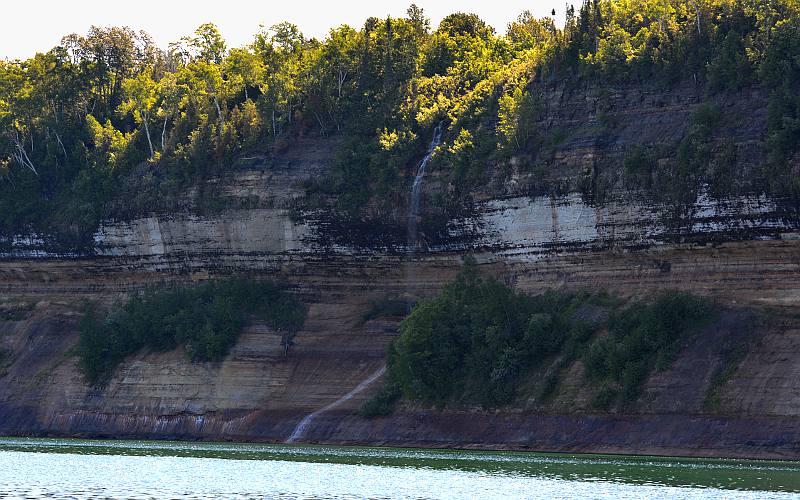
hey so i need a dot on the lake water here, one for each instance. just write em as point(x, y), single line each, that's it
point(76, 469)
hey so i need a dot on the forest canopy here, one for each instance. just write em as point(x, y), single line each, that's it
point(109, 113)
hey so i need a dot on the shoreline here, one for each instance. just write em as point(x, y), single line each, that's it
point(706, 437)
point(97, 442)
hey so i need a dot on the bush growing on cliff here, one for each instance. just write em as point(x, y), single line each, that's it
point(206, 320)
point(641, 338)
point(3, 361)
point(382, 403)
point(479, 341)
point(389, 305)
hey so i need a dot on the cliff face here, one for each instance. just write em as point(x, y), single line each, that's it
point(743, 250)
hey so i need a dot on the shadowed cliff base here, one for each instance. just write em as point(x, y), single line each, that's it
point(668, 435)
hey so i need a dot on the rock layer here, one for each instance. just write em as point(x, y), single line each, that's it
point(743, 251)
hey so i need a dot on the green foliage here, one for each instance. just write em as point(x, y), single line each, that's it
point(699, 158)
point(693, 153)
point(605, 398)
point(780, 71)
point(364, 169)
point(641, 338)
point(389, 305)
point(4, 362)
point(108, 114)
point(730, 69)
point(477, 339)
point(549, 388)
point(734, 351)
point(639, 166)
point(206, 320)
point(479, 342)
point(109, 143)
point(382, 403)
point(712, 400)
point(517, 116)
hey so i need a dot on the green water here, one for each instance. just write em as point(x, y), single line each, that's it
point(62, 468)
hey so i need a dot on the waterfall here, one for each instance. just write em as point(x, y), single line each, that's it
point(416, 190)
point(413, 218)
point(301, 428)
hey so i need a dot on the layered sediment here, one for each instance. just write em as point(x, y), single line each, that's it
point(742, 250)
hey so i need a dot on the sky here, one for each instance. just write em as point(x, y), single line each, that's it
point(30, 26)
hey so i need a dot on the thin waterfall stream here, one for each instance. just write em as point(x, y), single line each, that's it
point(301, 428)
point(413, 217)
point(416, 192)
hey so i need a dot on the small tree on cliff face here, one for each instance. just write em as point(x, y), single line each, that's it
point(243, 70)
point(94, 351)
point(517, 115)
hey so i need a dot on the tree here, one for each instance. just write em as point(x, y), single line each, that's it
point(208, 44)
point(288, 37)
point(417, 18)
point(243, 69)
point(528, 32)
point(461, 24)
point(141, 98)
point(172, 96)
point(107, 56)
point(205, 81)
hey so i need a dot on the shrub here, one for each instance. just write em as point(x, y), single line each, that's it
point(605, 398)
point(549, 387)
point(643, 337)
point(382, 403)
point(206, 320)
point(389, 305)
point(638, 166)
point(477, 339)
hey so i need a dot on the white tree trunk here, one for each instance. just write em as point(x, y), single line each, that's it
point(163, 133)
point(340, 81)
point(219, 111)
point(147, 133)
point(321, 123)
point(21, 155)
point(58, 138)
point(697, 14)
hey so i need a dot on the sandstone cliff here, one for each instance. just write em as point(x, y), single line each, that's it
point(742, 249)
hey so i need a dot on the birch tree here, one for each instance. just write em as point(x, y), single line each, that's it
point(140, 93)
point(172, 96)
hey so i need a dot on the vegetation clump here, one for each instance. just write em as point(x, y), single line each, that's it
point(480, 342)
point(712, 401)
point(478, 339)
point(389, 305)
point(205, 320)
point(642, 337)
point(383, 403)
point(3, 361)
